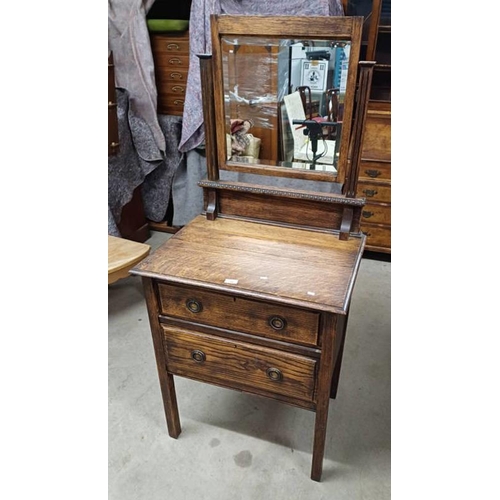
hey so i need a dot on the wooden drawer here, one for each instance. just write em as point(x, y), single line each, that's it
point(258, 318)
point(171, 61)
point(376, 213)
point(377, 236)
point(161, 44)
point(374, 192)
point(170, 75)
point(172, 89)
point(171, 106)
point(238, 365)
point(377, 135)
point(370, 170)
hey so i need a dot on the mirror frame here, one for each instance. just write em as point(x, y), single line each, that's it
point(326, 28)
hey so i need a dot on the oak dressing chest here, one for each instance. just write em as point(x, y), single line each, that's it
point(254, 293)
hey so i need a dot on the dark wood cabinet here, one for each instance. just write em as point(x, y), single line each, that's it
point(171, 60)
point(375, 172)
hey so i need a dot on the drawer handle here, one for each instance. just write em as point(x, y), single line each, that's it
point(112, 104)
point(366, 233)
point(176, 76)
point(172, 46)
point(367, 215)
point(177, 88)
point(194, 305)
point(277, 323)
point(175, 60)
point(198, 356)
point(274, 374)
point(178, 101)
point(114, 144)
point(373, 173)
point(370, 192)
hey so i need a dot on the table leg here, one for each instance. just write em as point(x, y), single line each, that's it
point(341, 332)
point(323, 395)
point(170, 405)
point(319, 441)
point(166, 379)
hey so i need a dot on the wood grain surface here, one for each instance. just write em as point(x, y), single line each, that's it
point(290, 266)
point(238, 364)
point(122, 255)
point(239, 314)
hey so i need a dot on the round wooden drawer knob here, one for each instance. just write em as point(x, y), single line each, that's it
point(194, 305)
point(277, 323)
point(274, 374)
point(198, 356)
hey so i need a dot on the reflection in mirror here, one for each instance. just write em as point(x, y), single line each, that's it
point(284, 101)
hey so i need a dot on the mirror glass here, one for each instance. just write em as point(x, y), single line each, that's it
point(284, 101)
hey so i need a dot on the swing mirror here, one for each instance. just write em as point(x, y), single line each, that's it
point(284, 93)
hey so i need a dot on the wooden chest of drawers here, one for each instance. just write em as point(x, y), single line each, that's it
point(375, 177)
point(171, 59)
point(255, 308)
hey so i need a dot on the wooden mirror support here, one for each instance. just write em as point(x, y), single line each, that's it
point(294, 207)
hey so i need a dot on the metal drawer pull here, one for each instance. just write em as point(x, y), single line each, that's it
point(366, 214)
point(172, 46)
point(179, 101)
point(177, 88)
point(112, 104)
point(198, 356)
point(274, 374)
point(370, 192)
point(175, 60)
point(373, 173)
point(277, 322)
point(176, 76)
point(114, 144)
point(194, 305)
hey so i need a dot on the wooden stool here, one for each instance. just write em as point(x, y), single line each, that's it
point(123, 255)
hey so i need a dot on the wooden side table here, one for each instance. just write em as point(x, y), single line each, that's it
point(123, 255)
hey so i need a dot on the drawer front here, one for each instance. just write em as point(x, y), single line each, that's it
point(171, 75)
point(370, 170)
point(170, 45)
point(248, 316)
point(238, 364)
point(377, 236)
point(376, 213)
point(171, 106)
point(172, 61)
point(173, 90)
point(377, 136)
point(374, 192)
